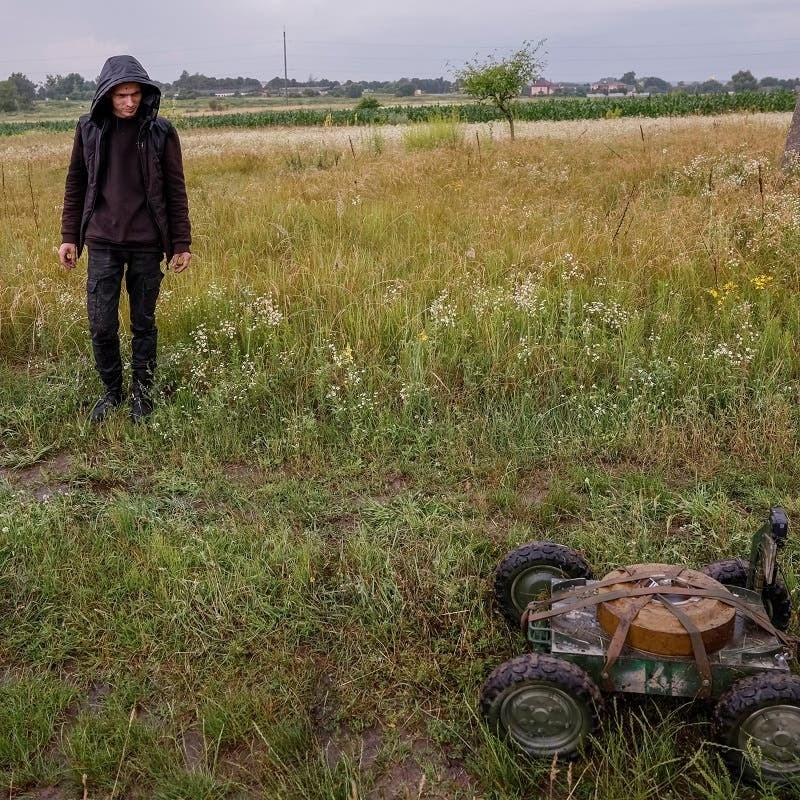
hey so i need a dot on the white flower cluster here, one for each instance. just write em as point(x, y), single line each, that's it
point(215, 291)
point(442, 311)
point(249, 373)
point(610, 315)
point(346, 392)
point(781, 216)
point(571, 269)
point(200, 338)
point(227, 329)
point(393, 292)
point(410, 391)
point(643, 379)
point(740, 350)
point(265, 312)
point(525, 348)
point(487, 298)
point(66, 299)
point(344, 361)
point(526, 294)
point(729, 171)
point(593, 351)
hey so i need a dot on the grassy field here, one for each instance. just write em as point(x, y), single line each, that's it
point(396, 355)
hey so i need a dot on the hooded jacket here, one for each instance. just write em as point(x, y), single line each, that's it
point(159, 154)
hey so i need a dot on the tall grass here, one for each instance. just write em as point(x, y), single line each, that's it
point(604, 295)
point(385, 367)
point(441, 130)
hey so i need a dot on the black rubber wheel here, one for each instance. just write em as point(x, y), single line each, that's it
point(733, 572)
point(524, 574)
point(759, 718)
point(546, 706)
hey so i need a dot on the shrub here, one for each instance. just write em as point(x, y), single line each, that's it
point(442, 130)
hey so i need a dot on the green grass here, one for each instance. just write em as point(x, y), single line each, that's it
point(386, 366)
point(442, 130)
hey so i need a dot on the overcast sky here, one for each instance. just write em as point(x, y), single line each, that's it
point(379, 40)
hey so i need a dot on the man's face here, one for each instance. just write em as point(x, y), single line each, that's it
point(125, 99)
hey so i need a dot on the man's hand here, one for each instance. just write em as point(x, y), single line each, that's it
point(68, 255)
point(179, 262)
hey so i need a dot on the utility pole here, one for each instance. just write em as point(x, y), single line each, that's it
point(285, 70)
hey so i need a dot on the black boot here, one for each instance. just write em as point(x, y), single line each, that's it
point(111, 399)
point(141, 402)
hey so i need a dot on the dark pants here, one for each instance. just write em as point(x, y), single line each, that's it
point(103, 286)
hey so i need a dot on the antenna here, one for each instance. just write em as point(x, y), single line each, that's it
point(285, 70)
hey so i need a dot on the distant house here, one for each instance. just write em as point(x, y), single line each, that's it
point(542, 87)
point(611, 87)
point(418, 93)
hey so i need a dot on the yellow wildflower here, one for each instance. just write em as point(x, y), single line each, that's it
point(761, 281)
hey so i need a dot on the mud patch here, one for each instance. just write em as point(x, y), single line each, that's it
point(343, 522)
point(362, 749)
point(419, 768)
point(423, 773)
point(241, 472)
point(396, 484)
point(681, 525)
point(47, 492)
point(194, 750)
point(44, 479)
point(105, 488)
point(56, 466)
point(404, 780)
point(534, 489)
point(393, 485)
point(48, 793)
point(98, 692)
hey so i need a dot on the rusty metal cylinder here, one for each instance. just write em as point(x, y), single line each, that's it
point(655, 628)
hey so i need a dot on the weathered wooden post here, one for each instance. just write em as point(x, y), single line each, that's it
point(791, 152)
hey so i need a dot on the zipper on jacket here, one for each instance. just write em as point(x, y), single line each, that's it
point(98, 156)
point(146, 185)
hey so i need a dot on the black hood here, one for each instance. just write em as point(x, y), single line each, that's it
point(124, 69)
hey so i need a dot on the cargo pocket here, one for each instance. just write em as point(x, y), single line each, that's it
point(91, 302)
point(151, 285)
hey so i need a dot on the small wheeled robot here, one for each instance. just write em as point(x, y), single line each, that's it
point(654, 629)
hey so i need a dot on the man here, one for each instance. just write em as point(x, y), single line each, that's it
point(125, 198)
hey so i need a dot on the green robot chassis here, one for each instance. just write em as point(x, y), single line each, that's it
point(549, 701)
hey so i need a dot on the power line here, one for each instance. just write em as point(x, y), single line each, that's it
point(426, 45)
point(332, 62)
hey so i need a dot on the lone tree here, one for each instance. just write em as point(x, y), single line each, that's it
point(501, 80)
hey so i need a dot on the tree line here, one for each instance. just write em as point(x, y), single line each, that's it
point(19, 93)
point(741, 81)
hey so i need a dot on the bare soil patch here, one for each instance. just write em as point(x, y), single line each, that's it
point(535, 487)
point(44, 479)
point(194, 750)
point(47, 793)
point(441, 777)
